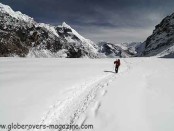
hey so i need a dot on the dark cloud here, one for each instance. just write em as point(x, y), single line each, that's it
point(98, 19)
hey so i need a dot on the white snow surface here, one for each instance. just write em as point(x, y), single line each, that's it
point(87, 91)
point(139, 99)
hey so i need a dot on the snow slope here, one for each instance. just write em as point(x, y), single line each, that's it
point(140, 99)
point(87, 91)
point(30, 86)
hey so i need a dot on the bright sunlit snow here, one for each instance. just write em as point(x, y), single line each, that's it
point(51, 91)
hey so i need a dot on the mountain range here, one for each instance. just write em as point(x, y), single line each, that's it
point(22, 36)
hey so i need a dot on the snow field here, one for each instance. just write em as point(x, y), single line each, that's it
point(30, 86)
point(139, 99)
point(87, 91)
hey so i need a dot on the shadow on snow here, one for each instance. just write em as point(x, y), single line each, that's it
point(110, 72)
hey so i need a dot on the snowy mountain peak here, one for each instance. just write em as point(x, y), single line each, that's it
point(73, 36)
point(161, 42)
point(16, 14)
point(6, 8)
point(39, 39)
point(64, 24)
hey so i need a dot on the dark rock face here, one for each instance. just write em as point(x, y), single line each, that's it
point(11, 45)
point(20, 35)
point(162, 37)
point(74, 53)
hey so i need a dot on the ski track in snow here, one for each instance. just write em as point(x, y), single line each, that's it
point(71, 108)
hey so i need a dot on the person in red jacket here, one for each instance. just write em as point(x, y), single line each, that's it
point(117, 64)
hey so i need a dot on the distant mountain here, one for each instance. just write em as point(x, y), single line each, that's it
point(161, 42)
point(21, 36)
point(122, 50)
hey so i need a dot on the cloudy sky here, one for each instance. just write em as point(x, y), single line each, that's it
point(109, 20)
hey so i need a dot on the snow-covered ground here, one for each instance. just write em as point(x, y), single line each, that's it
point(140, 99)
point(87, 91)
point(30, 86)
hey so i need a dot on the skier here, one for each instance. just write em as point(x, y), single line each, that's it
point(117, 64)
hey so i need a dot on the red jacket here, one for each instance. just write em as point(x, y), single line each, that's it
point(117, 63)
